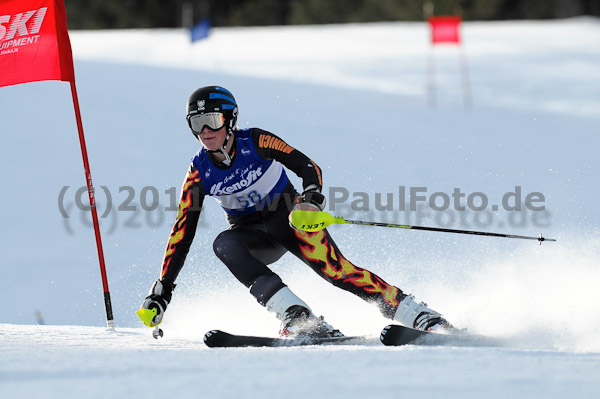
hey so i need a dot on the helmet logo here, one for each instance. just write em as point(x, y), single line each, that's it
point(200, 105)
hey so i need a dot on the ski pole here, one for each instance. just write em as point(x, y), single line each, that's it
point(146, 316)
point(312, 221)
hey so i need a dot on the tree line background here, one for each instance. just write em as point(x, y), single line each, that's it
point(124, 14)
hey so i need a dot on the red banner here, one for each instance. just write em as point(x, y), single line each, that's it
point(444, 29)
point(34, 42)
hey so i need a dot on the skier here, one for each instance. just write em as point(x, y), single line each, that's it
point(243, 170)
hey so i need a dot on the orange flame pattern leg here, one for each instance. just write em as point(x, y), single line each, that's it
point(323, 255)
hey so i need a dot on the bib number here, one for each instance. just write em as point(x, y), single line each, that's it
point(250, 199)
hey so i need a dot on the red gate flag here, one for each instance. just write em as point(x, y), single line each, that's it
point(34, 42)
point(34, 46)
point(444, 29)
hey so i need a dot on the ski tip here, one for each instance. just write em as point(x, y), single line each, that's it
point(397, 335)
point(384, 332)
point(214, 338)
point(211, 333)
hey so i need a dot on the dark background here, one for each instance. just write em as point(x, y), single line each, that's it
point(123, 14)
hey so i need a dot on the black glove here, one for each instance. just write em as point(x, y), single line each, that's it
point(312, 197)
point(159, 298)
point(311, 200)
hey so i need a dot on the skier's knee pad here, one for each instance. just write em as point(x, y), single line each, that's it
point(225, 245)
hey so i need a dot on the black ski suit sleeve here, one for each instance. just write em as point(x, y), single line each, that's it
point(269, 146)
point(182, 235)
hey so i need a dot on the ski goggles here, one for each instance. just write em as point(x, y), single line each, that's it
point(214, 121)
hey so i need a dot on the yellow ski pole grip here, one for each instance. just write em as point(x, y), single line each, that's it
point(312, 221)
point(146, 316)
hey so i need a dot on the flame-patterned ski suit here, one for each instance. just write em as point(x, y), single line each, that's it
point(257, 197)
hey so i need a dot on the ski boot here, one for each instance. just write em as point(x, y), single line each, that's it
point(299, 321)
point(418, 316)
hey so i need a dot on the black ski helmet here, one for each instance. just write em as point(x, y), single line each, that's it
point(211, 99)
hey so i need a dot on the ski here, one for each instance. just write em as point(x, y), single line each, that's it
point(221, 339)
point(396, 335)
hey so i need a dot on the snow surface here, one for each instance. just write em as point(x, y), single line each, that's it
point(354, 98)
